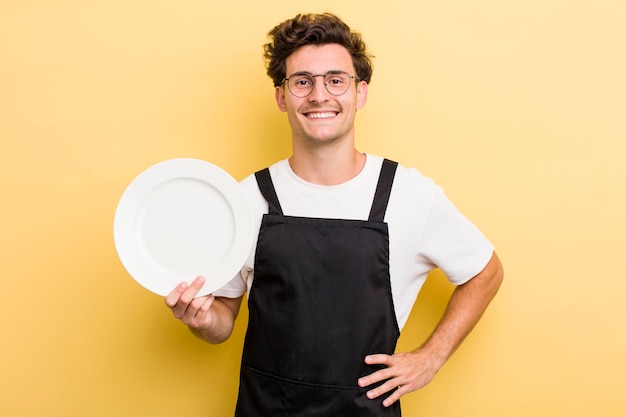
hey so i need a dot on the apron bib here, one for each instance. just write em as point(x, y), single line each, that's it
point(319, 303)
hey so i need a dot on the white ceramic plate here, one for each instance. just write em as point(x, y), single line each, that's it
point(179, 219)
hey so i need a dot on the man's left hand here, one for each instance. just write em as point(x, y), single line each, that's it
point(407, 372)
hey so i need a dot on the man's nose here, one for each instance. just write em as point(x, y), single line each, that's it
point(319, 93)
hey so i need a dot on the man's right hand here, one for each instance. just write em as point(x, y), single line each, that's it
point(208, 317)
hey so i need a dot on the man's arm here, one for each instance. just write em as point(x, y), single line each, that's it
point(210, 318)
point(411, 371)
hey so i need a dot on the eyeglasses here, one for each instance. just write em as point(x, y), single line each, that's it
point(301, 84)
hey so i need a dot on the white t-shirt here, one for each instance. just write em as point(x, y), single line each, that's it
point(426, 231)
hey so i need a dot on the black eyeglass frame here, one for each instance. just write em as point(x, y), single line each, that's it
point(313, 76)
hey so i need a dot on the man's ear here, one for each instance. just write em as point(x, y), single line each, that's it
point(361, 94)
point(279, 94)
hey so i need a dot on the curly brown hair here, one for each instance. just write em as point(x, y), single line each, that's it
point(314, 29)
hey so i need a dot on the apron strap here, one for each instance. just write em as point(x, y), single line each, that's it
point(266, 186)
point(383, 190)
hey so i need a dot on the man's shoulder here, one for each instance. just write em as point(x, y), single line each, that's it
point(413, 179)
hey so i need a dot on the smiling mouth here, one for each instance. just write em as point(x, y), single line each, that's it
point(322, 115)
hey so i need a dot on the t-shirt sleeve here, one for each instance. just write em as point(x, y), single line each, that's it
point(452, 242)
point(235, 288)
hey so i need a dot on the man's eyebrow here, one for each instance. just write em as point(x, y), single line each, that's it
point(301, 73)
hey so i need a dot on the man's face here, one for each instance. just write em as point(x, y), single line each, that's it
point(321, 116)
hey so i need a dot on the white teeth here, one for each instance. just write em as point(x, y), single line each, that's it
point(325, 115)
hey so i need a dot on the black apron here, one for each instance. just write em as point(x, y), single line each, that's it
point(319, 303)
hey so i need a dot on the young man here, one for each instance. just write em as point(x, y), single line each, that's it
point(345, 243)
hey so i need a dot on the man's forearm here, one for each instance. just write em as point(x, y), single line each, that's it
point(465, 308)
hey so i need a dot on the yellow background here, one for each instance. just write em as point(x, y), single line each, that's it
point(517, 108)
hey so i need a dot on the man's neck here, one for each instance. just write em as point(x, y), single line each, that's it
point(325, 166)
